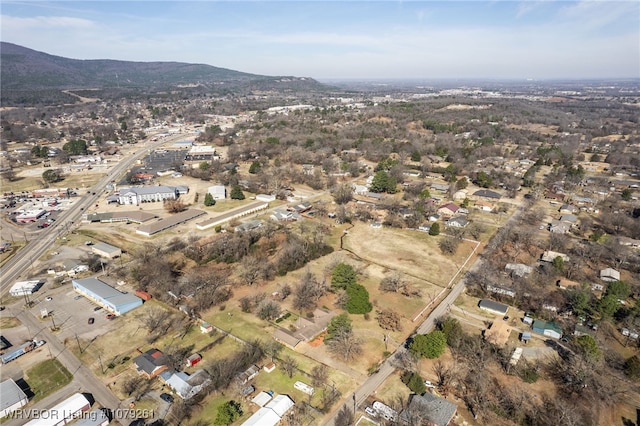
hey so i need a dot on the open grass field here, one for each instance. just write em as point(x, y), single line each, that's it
point(415, 254)
point(46, 378)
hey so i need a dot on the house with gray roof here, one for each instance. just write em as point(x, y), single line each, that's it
point(184, 385)
point(428, 409)
point(487, 193)
point(151, 363)
point(493, 307)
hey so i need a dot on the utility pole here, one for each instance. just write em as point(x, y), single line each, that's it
point(78, 341)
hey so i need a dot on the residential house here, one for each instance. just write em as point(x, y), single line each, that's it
point(549, 256)
point(484, 206)
point(284, 215)
point(501, 290)
point(518, 269)
point(493, 307)
point(428, 409)
point(448, 209)
point(548, 329)
point(609, 274)
point(568, 209)
point(488, 194)
point(569, 218)
point(184, 385)
point(564, 284)
point(440, 187)
point(248, 374)
point(151, 363)
point(457, 222)
point(559, 227)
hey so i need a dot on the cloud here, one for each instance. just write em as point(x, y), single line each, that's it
point(18, 24)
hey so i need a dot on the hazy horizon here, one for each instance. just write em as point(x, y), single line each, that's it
point(346, 41)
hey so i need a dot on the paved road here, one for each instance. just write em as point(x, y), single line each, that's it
point(386, 369)
point(83, 379)
point(18, 264)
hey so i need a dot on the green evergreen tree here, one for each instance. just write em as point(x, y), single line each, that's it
point(228, 412)
point(255, 167)
point(236, 193)
point(338, 324)
point(208, 200)
point(430, 345)
point(357, 299)
point(343, 275)
point(435, 229)
point(382, 182)
point(413, 382)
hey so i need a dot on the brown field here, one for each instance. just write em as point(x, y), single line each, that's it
point(415, 254)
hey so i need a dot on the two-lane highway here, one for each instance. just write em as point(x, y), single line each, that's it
point(35, 248)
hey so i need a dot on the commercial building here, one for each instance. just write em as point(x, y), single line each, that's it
point(169, 222)
point(106, 250)
point(147, 194)
point(22, 288)
point(30, 216)
point(11, 397)
point(238, 212)
point(63, 413)
point(106, 296)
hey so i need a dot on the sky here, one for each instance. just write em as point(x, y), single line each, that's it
point(332, 40)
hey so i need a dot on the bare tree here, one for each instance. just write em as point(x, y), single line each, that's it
point(344, 417)
point(308, 291)
point(389, 319)
point(289, 365)
point(156, 319)
point(344, 343)
point(268, 310)
point(319, 375)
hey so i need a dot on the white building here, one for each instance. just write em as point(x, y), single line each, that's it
point(218, 192)
point(272, 413)
point(22, 288)
point(11, 397)
point(135, 196)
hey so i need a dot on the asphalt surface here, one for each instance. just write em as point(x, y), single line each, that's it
point(18, 264)
point(84, 381)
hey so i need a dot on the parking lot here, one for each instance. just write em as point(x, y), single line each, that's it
point(70, 312)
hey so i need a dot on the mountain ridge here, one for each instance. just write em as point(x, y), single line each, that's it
point(27, 70)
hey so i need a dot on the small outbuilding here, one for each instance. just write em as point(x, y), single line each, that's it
point(609, 275)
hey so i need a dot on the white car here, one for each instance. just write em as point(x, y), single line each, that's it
point(48, 298)
point(429, 385)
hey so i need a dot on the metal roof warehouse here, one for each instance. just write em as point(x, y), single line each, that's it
point(106, 296)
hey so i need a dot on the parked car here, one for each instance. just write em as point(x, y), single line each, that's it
point(110, 316)
point(97, 308)
point(166, 397)
point(48, 298)
point(91, 320)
